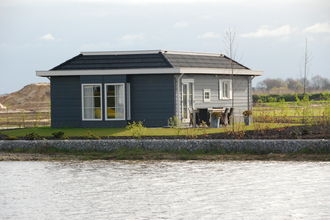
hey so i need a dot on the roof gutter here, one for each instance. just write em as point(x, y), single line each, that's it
point(181, 70)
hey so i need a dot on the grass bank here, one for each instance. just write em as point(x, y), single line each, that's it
point(53, 154)
point(148, 132)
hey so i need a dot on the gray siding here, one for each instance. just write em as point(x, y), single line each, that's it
point(201, 82)
point(152, 99)
point(65, 101)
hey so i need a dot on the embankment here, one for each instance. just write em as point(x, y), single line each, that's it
point(317, 149)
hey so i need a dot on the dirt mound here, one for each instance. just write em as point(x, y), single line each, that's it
point(31, 98)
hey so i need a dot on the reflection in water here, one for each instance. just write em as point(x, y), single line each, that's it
point(168, 190)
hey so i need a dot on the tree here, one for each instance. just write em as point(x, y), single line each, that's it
point(320, 83)
point(307, 59)
point(230, 50)
point(269, 84)
point(294, 84)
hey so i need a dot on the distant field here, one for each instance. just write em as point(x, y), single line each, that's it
point(291, 112)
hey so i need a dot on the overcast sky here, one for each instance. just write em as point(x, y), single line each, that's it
point(40, 34)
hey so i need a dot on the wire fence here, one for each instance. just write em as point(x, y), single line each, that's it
point(23, 119)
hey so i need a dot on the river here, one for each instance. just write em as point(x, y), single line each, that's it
point(164, 190)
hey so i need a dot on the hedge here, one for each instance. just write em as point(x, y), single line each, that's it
point(291, 97)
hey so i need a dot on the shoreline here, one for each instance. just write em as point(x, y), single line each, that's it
point(155, 155)
point(166, 149)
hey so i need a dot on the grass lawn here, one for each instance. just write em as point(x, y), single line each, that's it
point(47, 131)
point(312, 109)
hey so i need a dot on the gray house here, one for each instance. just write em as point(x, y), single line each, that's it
point(109, 89)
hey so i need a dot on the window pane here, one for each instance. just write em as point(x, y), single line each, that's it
point(191, 95)
point(226, 89)
point(97, 91)
point(115, 101)
point(119, 112)
point(97, 113)
point(111, 102)
point(88, 90)
point(185, 112)
point(92, 102)
point(110, 90)
point(111, 112)
point(89, 113)
point(97, 101)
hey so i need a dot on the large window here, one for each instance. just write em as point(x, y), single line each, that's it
point(115, 101)
point(91, 102)
point(225, 89)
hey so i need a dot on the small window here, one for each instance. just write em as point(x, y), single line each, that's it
point(115, 101)
point(207, 95)
point(91, 101)
point(225, 89)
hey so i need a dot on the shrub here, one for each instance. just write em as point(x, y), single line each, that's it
point(32, 136)
point(247, 113)
point(216, 114)
point(173, 122)
point(291, 97)
point(58, 135)
point(137, 129)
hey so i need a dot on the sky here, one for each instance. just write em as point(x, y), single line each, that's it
point(270, 35)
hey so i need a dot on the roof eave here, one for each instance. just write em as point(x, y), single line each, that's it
point(181, 70)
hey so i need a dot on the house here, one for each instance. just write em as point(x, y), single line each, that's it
point(110, 89)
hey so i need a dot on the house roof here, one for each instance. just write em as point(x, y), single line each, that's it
point(138, 59)
point(147, 62)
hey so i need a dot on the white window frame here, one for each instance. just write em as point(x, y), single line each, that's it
point(204, 92)
point(83, 104)
point(221, 81)
point(106, 104)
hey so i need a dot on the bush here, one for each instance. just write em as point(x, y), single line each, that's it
point(247, 113)
point(323, 96)
point(32, 136)
point(216, 114)
point(137, 129)
point(58, 135)
point(173, 122)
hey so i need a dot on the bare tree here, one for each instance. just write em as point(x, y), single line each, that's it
point(229, 41)
point(307, 60)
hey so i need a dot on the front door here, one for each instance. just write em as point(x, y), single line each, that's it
point(187, 100)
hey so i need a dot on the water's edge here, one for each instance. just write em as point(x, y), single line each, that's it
point(234, 146)
point(283, 150)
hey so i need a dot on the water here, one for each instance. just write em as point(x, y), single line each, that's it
point(164, 190)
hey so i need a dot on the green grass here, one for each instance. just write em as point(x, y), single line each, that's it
point(71, 132)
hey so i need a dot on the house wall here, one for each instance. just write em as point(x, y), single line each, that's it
point(65, 93)
point(241, 93)
point(152, 100)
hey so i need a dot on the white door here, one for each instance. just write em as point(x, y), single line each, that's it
point(187, 100)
